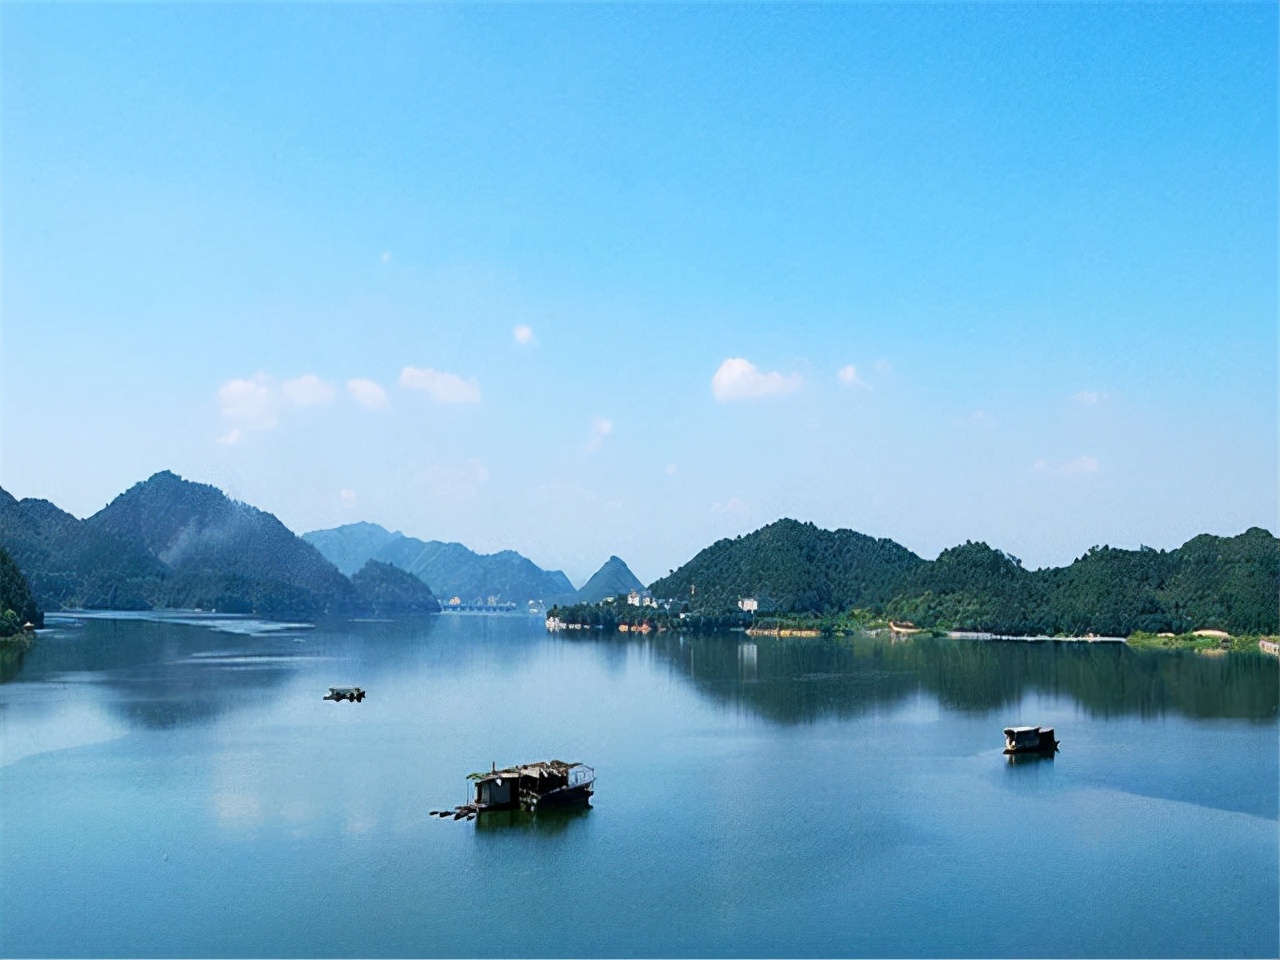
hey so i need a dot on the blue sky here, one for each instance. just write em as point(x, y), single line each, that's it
point(582, 280)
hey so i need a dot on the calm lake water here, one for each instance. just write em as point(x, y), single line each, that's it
point(173, 789)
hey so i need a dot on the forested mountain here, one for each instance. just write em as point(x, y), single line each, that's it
point(70, 564)
point(792, 567)
point(613, 579)
point(391, 592)
point(450, 569)
point(223, 553)
point(1232, 583)
point(167, 542)
point(17, 603)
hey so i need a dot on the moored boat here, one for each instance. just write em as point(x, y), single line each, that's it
point(529, 786)
point(1030, 740)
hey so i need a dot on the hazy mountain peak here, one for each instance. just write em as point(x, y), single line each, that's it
point(613, 579)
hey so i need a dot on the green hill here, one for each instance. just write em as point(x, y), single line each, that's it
point(391, 592)
point(224, 554)
point(1232, 583)
point(613, 579)
point(167, 542)
point(792, 567)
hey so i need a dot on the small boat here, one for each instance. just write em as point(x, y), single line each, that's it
point(1030, 740)
point(529, 786)
point(354, 694)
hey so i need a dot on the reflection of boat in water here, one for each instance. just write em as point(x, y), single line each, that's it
point(1030, 740)
point(546, 821)
point(529, 787)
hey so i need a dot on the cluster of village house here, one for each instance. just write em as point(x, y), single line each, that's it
point(637, 599)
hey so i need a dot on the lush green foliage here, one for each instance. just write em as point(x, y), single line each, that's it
point(1232, 583)
point(791, 567)
point(171, 543)
point(17, 604)
point(391, 591)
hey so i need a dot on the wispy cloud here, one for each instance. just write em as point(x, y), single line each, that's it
point(1088, 398)
point(368, 394)
point(439, 386)
point(600, 428)
point(739, 379)
point(523, 335)
point(849, 377)
point(248, 405)
point(1081, 464)
point(307, 391)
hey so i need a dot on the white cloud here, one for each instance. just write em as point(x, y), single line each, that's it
point(368, 394)
point(600, 428)
point(1081, 464)
point(440, 387)
point(524, 335)
point(671, 469)
point(1089, 398)
point(347, 496)
point(248, 405)
point(307, 391)
point(849, 377)
point(739, 379)
point(386, 256)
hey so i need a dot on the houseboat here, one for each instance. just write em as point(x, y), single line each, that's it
point(1030, 740)
point(529, 787)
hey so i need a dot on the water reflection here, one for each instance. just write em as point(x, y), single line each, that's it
point(803, 680)
point(550, 821)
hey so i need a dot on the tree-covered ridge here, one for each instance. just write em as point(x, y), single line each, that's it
point(17, 603)
point(792, 567)
point(169, 543)
point(613, 579)
point(391, 591)
point(1229, 583)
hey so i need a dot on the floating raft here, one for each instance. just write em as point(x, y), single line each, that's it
point(354, 694)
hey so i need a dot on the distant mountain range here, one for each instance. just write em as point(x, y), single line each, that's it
point(1232, 583)
point(451, 569)
point(171, 543)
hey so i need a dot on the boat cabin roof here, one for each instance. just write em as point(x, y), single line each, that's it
point(1010, 731)
point(542, 768)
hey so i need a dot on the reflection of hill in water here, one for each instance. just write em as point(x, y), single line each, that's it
point(802, 680)
point(11, 656)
